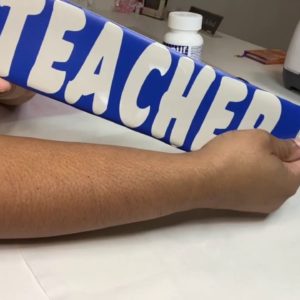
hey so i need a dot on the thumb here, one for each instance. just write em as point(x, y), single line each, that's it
point(294, 167)
point(289, 152)
point(5, 86)
point(286, 150)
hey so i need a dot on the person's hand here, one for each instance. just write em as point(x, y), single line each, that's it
point(5, 86)
point(12, 94)
point(250, 171)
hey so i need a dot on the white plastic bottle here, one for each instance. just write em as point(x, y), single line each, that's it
point(184, 33)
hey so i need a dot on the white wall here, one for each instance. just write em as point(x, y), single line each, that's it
point(269, 23)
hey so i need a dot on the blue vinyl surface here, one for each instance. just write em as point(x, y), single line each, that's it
point(154, 88)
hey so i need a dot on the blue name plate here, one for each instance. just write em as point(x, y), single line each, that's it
point(84, 60)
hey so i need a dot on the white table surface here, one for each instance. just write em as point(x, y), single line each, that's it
point(197, 255)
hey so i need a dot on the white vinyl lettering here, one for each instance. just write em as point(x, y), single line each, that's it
point(99, 69)
point(231, 90)
point(175, 105)
point(54, 48)
point(11, 33)
point(155, 57)
point(266, 105)
point(105, 51)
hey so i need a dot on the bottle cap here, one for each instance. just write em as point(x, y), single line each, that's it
point(182, 20)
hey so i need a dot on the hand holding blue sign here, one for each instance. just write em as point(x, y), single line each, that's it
point(251, 170)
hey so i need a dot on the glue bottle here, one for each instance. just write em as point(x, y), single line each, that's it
point(184, 34)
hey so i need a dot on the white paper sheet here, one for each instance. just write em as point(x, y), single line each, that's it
point(191, 256)
point(16, 279)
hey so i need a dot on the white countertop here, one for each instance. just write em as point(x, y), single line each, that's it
point(197, 255)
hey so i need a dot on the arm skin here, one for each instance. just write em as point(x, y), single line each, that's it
point(55, 188)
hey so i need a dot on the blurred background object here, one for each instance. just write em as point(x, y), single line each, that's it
point(268, 23)
point(155, 8)
point(291, 71)
point(126, 6)
point(211, 21)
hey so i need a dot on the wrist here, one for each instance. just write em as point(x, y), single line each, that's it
point(196, 180)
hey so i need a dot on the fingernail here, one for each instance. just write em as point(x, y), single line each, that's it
point(4, 87)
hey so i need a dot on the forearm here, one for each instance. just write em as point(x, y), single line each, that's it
point(52, 188)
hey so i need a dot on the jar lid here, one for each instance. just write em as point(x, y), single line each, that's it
point(183, 20)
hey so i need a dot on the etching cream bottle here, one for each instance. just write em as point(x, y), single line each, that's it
point(184, 34)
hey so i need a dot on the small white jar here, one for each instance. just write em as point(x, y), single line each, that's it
point(184, 34)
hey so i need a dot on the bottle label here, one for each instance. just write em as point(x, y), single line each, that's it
point(193, 52)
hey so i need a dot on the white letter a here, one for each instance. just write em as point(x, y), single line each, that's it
point(104, 52)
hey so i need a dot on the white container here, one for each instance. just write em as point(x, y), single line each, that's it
point(291, 70)
point(184, 34)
